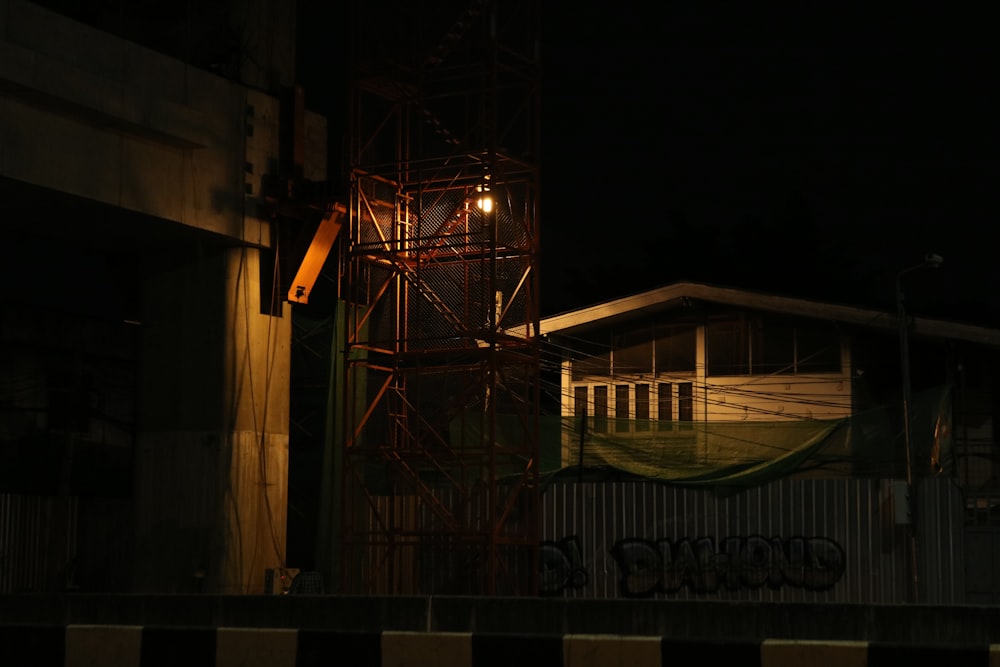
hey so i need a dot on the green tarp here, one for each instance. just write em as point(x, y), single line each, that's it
point(738, 454)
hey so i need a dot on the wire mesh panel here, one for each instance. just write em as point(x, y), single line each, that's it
point(440, 399)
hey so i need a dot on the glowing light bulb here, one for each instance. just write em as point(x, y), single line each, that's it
point(485, 202)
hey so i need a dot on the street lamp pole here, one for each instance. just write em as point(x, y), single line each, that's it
point(930, 261)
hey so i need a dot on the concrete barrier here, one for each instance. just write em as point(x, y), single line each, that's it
point(709, 620)
point(136, 646)
point(127, 630)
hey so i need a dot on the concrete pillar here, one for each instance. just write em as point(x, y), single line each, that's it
point(212, 450)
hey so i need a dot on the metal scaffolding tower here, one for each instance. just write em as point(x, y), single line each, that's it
point(440, 357)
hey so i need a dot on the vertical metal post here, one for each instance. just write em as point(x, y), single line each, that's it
point(930, 261)
point(904, 351)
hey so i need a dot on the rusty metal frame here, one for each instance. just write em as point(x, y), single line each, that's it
point(440, 462)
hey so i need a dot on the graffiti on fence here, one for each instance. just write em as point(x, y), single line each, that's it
point(648, 567)
point(562, 566)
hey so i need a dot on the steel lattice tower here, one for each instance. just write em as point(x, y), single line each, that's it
point(441, 360)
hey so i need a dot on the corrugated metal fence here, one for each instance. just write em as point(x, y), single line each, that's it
point(64, 543)
point(792, 540)
point(37, 539)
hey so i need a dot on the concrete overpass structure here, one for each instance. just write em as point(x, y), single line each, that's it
point(134, 231)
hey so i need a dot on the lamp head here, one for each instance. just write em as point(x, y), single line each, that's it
point(933, 261)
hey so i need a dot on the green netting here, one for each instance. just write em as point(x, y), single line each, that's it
point(870, 443)
point(716, 453)
point(739, 454)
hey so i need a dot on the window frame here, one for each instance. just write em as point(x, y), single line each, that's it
point(747, 347)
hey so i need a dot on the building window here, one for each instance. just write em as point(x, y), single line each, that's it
point(773, 348)
point(759, 346)
point(601, 409)
point(642, 407)
point(675, 349)
point(593, 357)
point(580, 407)
point(665, 402)
point(598, 364)
point(817, 351)
point(633, 352)
point(621, 408)
point(727, 345)
point(685, 402)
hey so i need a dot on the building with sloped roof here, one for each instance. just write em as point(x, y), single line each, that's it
point(709, 411)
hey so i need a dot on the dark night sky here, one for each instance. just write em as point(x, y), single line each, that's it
point(806, 152)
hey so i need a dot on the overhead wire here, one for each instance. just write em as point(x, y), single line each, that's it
point(260, 433)
point(756, 387)
point(259, 428)
point(816, 399)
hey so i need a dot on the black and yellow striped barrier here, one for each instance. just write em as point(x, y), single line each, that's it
point(139, 646)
